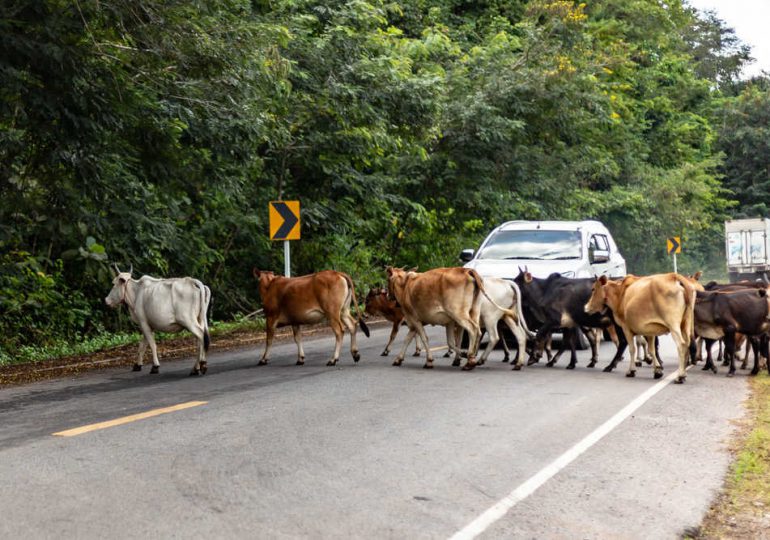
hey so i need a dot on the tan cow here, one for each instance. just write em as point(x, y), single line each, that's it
point(444, 296)
point(308, 300)
point(649, 306)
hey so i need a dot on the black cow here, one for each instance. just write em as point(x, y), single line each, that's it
point(557, 303)
point(720, 315)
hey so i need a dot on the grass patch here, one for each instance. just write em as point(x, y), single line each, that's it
point(106, 341)
point(743, 509)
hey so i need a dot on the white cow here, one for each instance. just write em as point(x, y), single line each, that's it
point(167, 305)
point(501, 293)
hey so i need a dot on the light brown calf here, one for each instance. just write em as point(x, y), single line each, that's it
point(308, 300)
point(377, 303)
point(445, 296)
point(649, 306)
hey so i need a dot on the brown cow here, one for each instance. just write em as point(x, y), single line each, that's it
point(377, 303)
point(308, 300)
point(649, 306)
point(445, 296)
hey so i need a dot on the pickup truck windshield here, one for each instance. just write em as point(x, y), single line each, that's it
point(538, 244)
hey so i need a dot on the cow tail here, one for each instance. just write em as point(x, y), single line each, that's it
point(480, 288)
point(360, 320)
point(522, 320)
point(688, 324)
point(206, 303)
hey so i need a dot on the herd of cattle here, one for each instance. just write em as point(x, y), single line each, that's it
point(633, 311)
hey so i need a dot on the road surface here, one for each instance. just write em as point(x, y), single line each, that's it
point(365, 451)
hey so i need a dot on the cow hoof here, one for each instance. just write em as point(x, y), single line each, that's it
point(331, 363)
point(447, 354)
point(300, 363)
point(204, 368)
point(638, 363)
point(397, 362)
point(506, 359)
point(532, 361)
point(195, 373)
point(517, 367)
point(384, 353)
point(468, 366)
point(631, 374)
point(725, 363)
point(570, 366)
point(416, 353)
point(427, 366)
point(137, 367)
point(591, 364)
point(658, 374)
point(155, 370)
point(679, 380)
point(706, 368)
point(608, 369)
point(549, 364)
point(456, 363)
point(730, 373)
point(262, 363)
point(356, 356)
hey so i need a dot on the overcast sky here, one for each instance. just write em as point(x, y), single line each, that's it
point(751, 21)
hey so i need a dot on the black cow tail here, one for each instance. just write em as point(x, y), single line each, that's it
point(206, 340)
point(364, 328)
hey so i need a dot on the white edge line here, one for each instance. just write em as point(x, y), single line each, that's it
point(499, 509)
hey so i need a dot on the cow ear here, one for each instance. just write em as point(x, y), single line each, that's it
point(412, 269)
point(527, 277)
point(697, 275)
point(389, 270)
point(603, 279)
point(255, 272)
point(762, 292)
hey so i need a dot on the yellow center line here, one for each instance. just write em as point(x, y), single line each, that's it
point(126, 419)
point(434, 349)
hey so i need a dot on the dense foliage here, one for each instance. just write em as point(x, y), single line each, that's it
point(154, 133)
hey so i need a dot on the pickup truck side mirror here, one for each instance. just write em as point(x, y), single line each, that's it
point(466, 255)
point(598, 256)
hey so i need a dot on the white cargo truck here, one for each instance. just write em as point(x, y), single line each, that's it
point(747, 249)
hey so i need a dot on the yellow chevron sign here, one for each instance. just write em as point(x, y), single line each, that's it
point(284, 220)
point(673, 245)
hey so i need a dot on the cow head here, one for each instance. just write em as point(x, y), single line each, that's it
point(119, 288)
point(597, 302)
point(263, 277)
point(375, 299)
point(396, 280)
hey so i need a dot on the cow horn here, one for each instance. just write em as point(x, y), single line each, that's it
point(114, 269)
point(131, 270)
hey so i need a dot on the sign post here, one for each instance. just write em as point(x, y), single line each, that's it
point(674, 246)
point(284, 225)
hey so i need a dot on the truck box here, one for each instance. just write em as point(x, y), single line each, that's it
point(746, 248)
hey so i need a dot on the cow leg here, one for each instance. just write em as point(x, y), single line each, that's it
point(420, 329)
point(730, 349)
point(142, 350)
point(148, 335)
point(710, 365)
point(295, 329)
point(453, 340)
point(506, 350)
point(350, 322)
point(752, 344)
point(562, 347)
point(632, 352)
point(622, 345)
point(270, 327)
point(593, 339)
point(494, 337)
point(339, 333)
point(572, 339)
point(199, 368)
point(393, 333)
point(521, 341)
point(722, 357)
point(474, 337)
point(656, 365)
point(407, 340)
point(682, 345)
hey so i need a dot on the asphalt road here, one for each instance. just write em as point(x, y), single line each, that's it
point(367, 450)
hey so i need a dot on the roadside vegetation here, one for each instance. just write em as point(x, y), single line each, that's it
point(743, 509)
point(154, 133)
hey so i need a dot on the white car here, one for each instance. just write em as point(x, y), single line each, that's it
point(575, 249)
